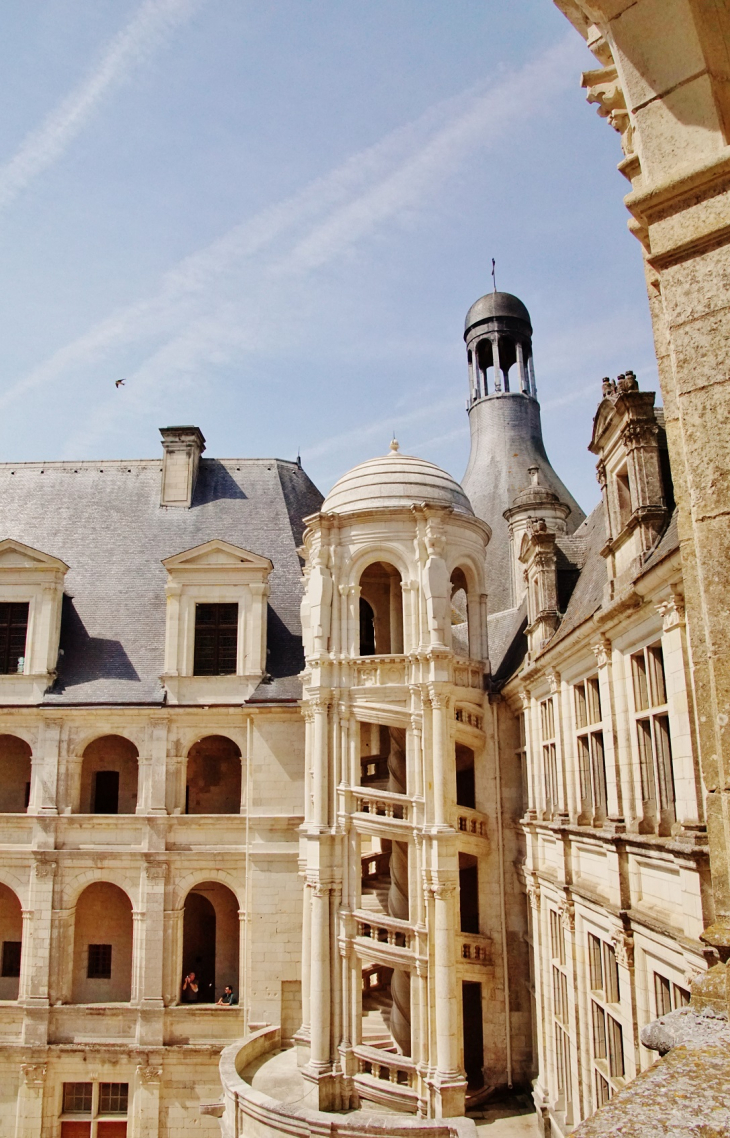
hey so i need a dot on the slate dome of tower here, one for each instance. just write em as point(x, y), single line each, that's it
point(494, 305)
point(395, 481)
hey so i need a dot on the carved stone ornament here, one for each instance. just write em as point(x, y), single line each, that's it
point(156, 870)
point(567, 916)
point(672, 611)
point(553, 679)
point(45, 869)
point(623, 942)
point(149, 1074)
point(533, 893)
point(602, 652)
point(524, 697)
point(442, 889)
point(34, 1074)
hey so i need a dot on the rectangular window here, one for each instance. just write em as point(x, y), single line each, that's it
point(603, 1090)
point(610, 970)
point(668, 997)
point(77, 1098)
point(590, 752)
point(599, 1031)
point(11, 958)
point(680, 996)
point(216, 640)
point(595, 962)
point(557, 940)
point(652, 733)
point(113, 1098)
point(615, 1048)
point(13, 633)
point(100, 962)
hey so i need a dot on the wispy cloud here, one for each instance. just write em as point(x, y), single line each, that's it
point(225, 300)
point(146, 32)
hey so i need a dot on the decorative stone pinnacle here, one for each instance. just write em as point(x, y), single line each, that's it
point(534, 472)
point(394, 445)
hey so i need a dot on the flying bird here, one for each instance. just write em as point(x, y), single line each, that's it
point(119, 383)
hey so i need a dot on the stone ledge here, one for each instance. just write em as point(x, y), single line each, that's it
point(684, 1095)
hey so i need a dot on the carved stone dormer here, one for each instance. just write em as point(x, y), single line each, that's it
point(629, 440)
point(538, 555)
point(535, 500)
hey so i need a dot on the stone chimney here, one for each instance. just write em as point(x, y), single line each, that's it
point(182, 448)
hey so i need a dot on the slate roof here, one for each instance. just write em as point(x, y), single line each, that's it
point(105, 521)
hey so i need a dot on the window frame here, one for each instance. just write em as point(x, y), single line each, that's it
point(590, 750)
point(652, 737)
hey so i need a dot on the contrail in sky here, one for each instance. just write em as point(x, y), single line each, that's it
point(204, 309)
point(129, 48)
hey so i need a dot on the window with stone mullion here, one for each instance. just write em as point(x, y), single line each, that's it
point(13, 633)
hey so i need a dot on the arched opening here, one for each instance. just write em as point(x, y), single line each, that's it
point(459, 614)
point(14, 775)
point(109, 776)
point(380, 589)
point(468, 893)
point(213, 779)
point(102, 972)
point(210, 943)
point(11, 936)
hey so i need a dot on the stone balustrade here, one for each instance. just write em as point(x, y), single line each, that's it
point(382, 803)
point(471, 822)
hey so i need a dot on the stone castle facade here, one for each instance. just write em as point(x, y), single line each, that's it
point(448, 809)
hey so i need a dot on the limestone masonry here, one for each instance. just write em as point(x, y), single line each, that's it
point(343, 816)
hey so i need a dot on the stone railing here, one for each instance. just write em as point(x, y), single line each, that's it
point(471, 822)
point(245, 1111)
point(386, 1078)
point(475, 948)
point(469, 674)
point(202, 1024)
point(384, 930)
point(375, 671)
point(382, 803)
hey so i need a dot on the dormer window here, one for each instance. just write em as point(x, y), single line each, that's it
point(31, 593)
point(623, 497)
point(215, 649)
point(13, 634)
point(216, 639)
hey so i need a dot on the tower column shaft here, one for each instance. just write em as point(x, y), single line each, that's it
point(498, 378)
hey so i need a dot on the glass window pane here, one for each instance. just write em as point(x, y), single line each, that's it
point(594, 700)
point(13, 631)
point(598, 770)
point(615, 1048)
point(581, 712)
point(113, 1098)
point(613, 992)
point(77, 1098)
point(646, 760)
point(662, 995)
point(681, 996)
point(658, 693)
point(665, 773)
point(641, 688)
point(599, 1031)
point(594, 962)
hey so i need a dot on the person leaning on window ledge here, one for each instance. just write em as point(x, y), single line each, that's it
point(227, 999)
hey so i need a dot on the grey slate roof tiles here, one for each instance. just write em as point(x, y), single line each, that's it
point(104, 520)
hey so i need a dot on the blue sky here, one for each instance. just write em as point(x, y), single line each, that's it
point(272, 216)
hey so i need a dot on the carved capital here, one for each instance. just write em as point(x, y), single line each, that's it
point(533, 893)
point(34, 1074)
point(602, 652)
point(45, 869)
point(155, 870)
point(672, 611)
point(553, 679)
point(567, 915)
point(623, 942)
point(442, 889)
point(149, 1074)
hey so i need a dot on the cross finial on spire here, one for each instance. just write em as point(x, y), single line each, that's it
point(494, 274)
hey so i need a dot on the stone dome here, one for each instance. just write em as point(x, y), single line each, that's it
point(496, 305)
point(395, 481)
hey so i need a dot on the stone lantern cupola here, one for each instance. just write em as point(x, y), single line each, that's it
point(506, 433)
point(535, 501)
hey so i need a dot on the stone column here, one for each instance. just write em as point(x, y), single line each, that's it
point(614, 790)
point(440, 754)
point(678, 684)
point(44, 768)
point(35, 958)
point(495, 357)
point(320, 965)
point(531, 374)
point(449, 1082)
point(29, 1110)
point(524, 378)
point(145, 1104)
point(353, 620)
point(153, 789)
point(172, 939)
point(148, 952)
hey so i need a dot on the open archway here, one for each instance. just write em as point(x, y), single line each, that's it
point(14, 775)
point(11, 936)
point(213, 779)
point(381, 610)
point(109, 776)
point(210, 942)
point(459, 613)
point(102, 969)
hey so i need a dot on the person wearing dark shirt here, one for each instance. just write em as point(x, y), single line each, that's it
point(227, 999)
point(190, 989)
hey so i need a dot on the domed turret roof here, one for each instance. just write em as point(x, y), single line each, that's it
point(496, 304)
point(395, 481)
